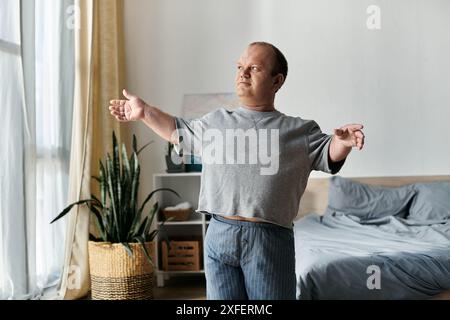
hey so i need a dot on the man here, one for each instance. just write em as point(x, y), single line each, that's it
point(249, 245)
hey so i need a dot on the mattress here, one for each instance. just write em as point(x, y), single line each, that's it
point(341, 257)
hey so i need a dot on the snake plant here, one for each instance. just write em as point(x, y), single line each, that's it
point(118, 217)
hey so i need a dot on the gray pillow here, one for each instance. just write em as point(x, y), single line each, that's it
point(431, 202)
point(368, 202)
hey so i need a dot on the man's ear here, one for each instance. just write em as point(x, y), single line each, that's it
point(278, 81)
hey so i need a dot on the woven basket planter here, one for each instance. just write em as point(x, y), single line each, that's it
point(117, 276)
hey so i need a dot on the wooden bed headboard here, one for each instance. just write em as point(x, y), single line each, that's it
point(315, 198)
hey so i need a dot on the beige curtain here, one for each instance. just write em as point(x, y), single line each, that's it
point(99, 78)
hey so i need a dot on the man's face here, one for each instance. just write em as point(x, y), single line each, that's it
point(254, 82)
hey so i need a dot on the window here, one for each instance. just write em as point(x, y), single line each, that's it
point(36, 89)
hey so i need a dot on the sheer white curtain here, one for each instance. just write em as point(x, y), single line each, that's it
point(54, 99)
point(36, 90)
point(13, 267)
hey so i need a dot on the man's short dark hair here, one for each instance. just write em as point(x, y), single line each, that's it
point(281, 65)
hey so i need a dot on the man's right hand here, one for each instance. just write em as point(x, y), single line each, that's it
point(134, 109)
point(128, 110)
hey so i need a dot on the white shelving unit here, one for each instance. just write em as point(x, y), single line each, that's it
point(187, 185)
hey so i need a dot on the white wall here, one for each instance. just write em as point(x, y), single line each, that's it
point(396, 81)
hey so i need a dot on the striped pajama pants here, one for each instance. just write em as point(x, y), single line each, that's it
point(249, 260)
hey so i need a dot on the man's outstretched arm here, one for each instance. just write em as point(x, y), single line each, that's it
point(344, 139)
point(135, 109)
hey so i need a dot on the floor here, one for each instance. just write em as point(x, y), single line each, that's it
point(182, 288)
point(443, 296)
point(194, 288)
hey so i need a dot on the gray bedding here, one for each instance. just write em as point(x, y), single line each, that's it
point(338, 257)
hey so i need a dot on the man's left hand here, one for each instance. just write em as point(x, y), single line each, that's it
point(350, 135)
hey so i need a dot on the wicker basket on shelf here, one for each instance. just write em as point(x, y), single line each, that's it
point(177, 215)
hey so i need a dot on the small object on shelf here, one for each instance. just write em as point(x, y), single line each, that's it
point(182, 256)
point(180, 212)
point(194, 164)
point(174, 162)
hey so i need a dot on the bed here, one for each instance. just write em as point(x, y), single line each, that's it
point(374, 238)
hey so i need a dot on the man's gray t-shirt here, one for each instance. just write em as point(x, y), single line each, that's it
point(254, 164)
